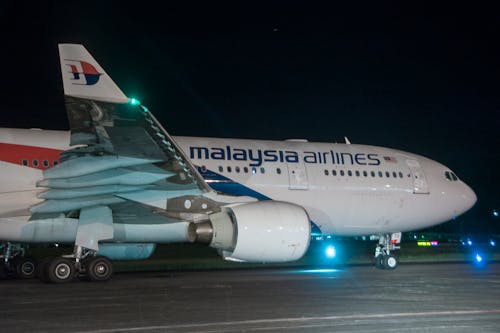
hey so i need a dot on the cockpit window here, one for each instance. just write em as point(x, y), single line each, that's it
point(450, 176)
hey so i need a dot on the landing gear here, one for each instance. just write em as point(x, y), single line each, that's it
point(60, 270)
point(82, 263)
point(98, 268)
point(25, 267)
point(13, 262)
point(387, 243)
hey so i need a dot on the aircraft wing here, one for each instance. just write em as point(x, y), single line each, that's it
point(122, 159)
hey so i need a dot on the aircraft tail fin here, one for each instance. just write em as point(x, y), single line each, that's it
point(84, 78)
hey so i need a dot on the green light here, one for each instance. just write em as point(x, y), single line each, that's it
point(134, 101)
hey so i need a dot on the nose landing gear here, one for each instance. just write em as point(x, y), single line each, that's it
point(387, 243)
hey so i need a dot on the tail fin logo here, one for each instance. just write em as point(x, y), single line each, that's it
point(83, 72)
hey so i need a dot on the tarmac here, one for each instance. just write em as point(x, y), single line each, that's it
point(432, 297)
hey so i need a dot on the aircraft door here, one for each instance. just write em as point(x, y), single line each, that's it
point(420, 185)
point(297, 176)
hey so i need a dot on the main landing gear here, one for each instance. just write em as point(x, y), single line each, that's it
point(387, 243)
point(82, 263)
point(14, 263)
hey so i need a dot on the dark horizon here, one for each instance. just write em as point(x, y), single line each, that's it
point(424, 79)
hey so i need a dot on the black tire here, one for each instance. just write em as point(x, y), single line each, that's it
point(390, 262)
point(41, 271)
point(26, 268)
point(379, 262)
point(61, 270)
point(3, 270)
point(98, 268)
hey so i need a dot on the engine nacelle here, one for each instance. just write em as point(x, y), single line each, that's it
point(265, 231)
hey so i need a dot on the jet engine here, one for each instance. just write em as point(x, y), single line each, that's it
point(264, 231)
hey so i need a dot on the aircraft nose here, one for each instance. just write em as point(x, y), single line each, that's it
point(469, 197)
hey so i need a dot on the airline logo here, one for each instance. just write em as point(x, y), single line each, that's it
point(256, 157)
point(83, 72)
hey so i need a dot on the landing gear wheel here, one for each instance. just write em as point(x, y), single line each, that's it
point(41, 271)
point(390, 262)
point(25, 268)
point(98, 268)
point(61, 270)
point(379, 262)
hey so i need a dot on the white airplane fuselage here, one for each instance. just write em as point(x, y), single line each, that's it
point(346, 189)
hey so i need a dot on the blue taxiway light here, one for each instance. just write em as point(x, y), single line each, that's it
point(492, 243)
point(478, 258)
point(469, 242)
point(330, 252)
point(495, 213)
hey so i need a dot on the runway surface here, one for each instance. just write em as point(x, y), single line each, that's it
point(435, 298)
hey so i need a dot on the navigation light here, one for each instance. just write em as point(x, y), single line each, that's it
point(134, 101)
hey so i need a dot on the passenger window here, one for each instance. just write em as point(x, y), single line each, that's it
point(262, 170)
point(326, 172)
point(203, 168)
point(237, 169)
point(45, 163)
point(334, 172)
point(56, 162)
point(380, 174)
point(365, 173)
point(229, 169)
point(25, 162)
point(387, 174)
point(372, 173)
point(278, 171)
point(254, 170)
point(400, 174)
point(349, 173)
point(357, 173)
point(35, 163)
point(394, 174)
point(221, 169)
point(245, 169)
point(342, 173)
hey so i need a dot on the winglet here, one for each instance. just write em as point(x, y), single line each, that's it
point(347, 142)
point(84, 78)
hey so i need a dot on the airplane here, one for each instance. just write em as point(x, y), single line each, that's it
point(118, 183)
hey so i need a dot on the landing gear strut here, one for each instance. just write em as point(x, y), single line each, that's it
point(387, 243)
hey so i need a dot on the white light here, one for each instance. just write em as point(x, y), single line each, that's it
point(330, 252)
point(479, 258)
point(469, 242)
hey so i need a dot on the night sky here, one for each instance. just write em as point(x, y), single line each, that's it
point(420, 78)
